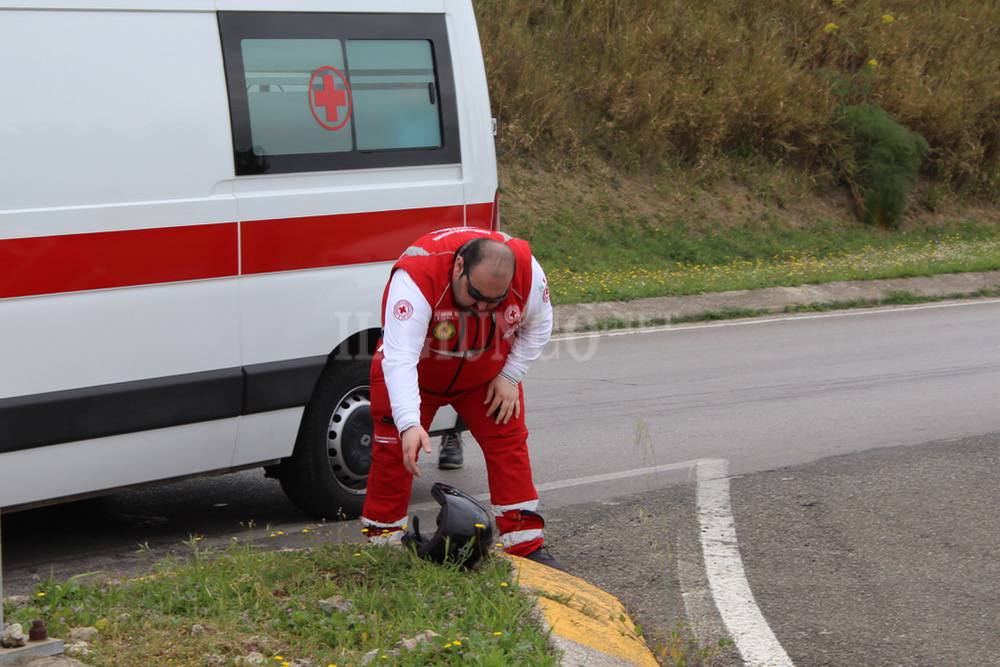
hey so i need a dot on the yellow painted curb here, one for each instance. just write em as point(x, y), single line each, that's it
point(582, 613)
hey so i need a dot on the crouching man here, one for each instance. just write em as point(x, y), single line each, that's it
point(464, 313)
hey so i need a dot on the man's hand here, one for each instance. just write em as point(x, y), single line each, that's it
point(504, 399)
point(414, 439)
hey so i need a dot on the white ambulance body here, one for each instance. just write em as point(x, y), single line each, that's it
point(199, 204)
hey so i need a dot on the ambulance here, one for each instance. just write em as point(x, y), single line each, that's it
point(200, 201)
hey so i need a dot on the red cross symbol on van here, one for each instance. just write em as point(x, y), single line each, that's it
point(329, 100)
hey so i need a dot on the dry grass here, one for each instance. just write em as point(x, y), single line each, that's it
point(646, 84)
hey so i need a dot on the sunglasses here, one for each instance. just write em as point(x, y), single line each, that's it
point(479, 296)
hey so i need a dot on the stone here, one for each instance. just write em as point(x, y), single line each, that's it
point(414, 642)
point(79, 648)
point(197, 629)
point(214, 660)
point(13, 636)
point(336, 603)
point(255, 658)
point(84, 635)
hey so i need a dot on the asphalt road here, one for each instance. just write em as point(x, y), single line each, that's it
point(763, 395)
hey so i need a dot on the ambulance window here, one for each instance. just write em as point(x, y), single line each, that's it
point(395, 94)
point(278, 72)
point(315, 91)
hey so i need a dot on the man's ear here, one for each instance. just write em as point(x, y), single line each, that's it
point(459, 265)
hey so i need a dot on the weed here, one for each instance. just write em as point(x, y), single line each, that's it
point(251, 600)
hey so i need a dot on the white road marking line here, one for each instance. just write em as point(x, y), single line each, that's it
point(768, 320)
point(723, 565)
point(592, 479)
point(733, 598)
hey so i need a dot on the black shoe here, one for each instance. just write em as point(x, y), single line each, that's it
point(542, 555)
point(450, 456)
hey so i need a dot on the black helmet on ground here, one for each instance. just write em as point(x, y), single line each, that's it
point(464, 532)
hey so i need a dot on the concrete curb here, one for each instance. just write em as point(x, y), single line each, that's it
point(589, 625)
point(583, 316)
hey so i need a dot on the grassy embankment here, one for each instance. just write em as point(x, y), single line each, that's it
point(651, 148)
point(246, 600)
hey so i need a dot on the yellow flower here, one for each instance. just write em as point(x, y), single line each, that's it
point(831, 27)
point(40, 594)
point(279, 658)
point(497, 634)
point(873, 63)
point(888, 18)
point(479, 525)
point(503, 584)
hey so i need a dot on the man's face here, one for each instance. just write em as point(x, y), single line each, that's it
point(477, 289)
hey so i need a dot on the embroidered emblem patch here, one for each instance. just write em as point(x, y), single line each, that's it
point(403, 310)
point(512, 314)
point(444, 330)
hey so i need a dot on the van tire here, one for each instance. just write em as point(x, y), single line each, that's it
point(327, 473)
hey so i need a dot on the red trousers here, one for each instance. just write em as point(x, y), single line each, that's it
point(505, 448)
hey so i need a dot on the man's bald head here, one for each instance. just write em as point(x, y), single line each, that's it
point(493, 257)
point(489, 264)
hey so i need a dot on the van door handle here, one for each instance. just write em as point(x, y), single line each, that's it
point(431, 93)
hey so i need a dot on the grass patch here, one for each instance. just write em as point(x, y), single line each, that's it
point(899, 258)
point(894, 299)
point(610, 237)
point(721, 314)
point(249, 600)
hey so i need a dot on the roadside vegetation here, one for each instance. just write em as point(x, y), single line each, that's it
point(332, 605)
point(652, 148)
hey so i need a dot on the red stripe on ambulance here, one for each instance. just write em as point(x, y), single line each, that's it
point(74, 262)
point(335, 240)
point(99, 260)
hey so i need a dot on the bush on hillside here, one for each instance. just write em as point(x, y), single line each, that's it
point(885, 161)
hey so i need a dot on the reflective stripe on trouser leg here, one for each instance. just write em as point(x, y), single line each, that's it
point(512, 491)
point(521, 531)
point(389, 483)
point(383, 533)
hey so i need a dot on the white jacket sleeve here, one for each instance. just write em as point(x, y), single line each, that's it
point(407, 318)
point(536, 327)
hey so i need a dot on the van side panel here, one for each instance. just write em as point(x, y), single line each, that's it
point(70, 469)
point(119, 253)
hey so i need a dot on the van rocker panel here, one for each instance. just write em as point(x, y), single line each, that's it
point(126, 407)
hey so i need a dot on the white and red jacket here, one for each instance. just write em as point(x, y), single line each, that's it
point(432, 345)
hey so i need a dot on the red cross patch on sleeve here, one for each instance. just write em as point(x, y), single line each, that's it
point(403, 310)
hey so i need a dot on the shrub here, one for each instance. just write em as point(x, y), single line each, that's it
point(885, 160)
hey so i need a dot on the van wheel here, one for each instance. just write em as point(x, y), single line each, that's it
point(328, 472)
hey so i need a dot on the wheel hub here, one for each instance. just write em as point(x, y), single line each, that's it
point(349, 440)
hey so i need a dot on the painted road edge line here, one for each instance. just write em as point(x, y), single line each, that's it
point(724, 567)
point(790, 317)
point(590, 479)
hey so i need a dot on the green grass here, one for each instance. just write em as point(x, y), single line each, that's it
point(894, 299)
point(250, 600)
point(630, 259)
